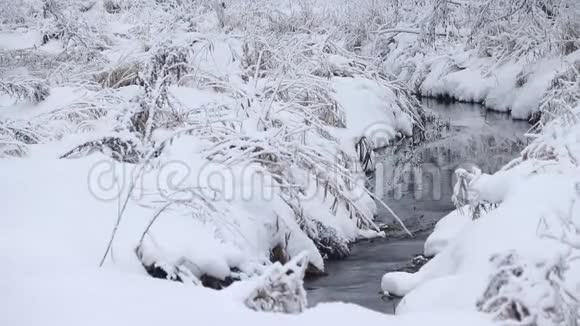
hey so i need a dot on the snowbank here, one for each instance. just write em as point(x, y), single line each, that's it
point(108, 298)
point(515, 86)
point(536, 197)
point(447, 229)
point(469, 51)
point(468, 251)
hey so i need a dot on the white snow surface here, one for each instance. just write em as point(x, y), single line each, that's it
point(445, 230)
point(109, 298)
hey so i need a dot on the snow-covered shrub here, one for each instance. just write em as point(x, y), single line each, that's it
point(327, 239)
point(311, 96)
point(504, 29)
point(503, 54)
point(562, 97)
point(32, 90)
point(78, 36)
point(521, 293)
point(555, 141)
point(14, 139)
point(516, 29)
point(84, 114)
point(168, 64)
point(119, 76)
point(442, 20)
point(112, 6)
point(281, 288)
point(525, 293)
point(358, 23)
point(19, 12)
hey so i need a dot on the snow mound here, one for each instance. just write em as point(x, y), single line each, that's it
point(447, 229)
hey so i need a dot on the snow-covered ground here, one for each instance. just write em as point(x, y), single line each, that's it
point(51, 250)
point(211, 142)
point(106, 298)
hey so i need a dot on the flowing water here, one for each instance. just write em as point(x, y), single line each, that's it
point(417, 183)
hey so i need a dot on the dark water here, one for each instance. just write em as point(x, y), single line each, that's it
point(417, 183)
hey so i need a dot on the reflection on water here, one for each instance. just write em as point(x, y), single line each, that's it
point(417, 183)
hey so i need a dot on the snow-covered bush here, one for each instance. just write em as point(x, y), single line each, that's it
point(502, 29)
point(503, 54)
point(119, 76)
point(280, 288)
point(64, 22)
point(15, 136)
point(518, 29)
point(526, 294)
point(19, 13)
point(25, 90)
point(562, 97)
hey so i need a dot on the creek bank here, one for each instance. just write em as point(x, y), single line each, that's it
point(466, 134)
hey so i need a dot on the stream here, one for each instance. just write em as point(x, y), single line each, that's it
point(417, 183)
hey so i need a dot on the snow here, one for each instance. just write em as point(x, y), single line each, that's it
point(370, 111)
point(442, 295)
point(399, 283)
point(244, 122)
point(108, 298)
point(465, 76)
point(446, 229)
point(534, 192)
point(53, 248)
point(59, 97)
point(464, 249)
point(241, 169)
point(19, 40)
